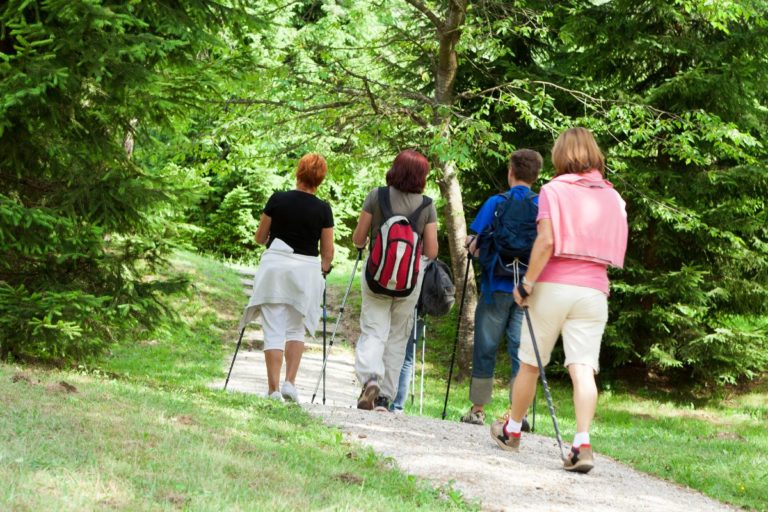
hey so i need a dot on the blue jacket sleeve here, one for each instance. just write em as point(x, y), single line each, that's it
point(484, 217)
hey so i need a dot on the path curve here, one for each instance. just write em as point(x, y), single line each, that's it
point(464, 456)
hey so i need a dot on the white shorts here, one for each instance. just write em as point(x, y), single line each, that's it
point(577, 312)
point(281, 323)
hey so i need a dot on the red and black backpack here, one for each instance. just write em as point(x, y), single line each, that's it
point(393, 263)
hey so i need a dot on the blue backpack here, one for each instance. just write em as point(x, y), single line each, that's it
point(508, 240)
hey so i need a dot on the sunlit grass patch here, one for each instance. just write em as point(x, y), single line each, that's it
point(141, 429)
point(124, 445)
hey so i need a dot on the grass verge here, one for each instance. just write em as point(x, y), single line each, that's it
point(141, 430)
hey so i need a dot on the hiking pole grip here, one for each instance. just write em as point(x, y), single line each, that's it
point(544, 383)
point(458, 331)
point(239, 340)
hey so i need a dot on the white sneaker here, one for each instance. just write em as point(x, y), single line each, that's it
point(275, 395)
point(289, 392)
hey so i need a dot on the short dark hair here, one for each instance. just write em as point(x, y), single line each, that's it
point(525, 164)
point(409, 172)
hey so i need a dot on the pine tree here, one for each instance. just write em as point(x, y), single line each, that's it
point(81, 221)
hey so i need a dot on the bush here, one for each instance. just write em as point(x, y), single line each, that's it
point(230, 231)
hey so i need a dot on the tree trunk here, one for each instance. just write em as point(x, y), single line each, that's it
point(456, 229)
point(448, 34)
point(128, 138)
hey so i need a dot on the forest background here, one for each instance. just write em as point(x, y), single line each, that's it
point(131, 129)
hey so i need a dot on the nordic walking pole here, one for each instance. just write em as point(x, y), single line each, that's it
point(458, 326)
point(338, 321)
point(234, 357)
point(325, 321)
point(423, 350)
point(544, 383)
point(413, 352)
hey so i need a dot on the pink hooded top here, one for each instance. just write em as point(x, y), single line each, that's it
point(589, 225)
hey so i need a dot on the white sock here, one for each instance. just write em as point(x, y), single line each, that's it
point(580, 438)
point(513, 427)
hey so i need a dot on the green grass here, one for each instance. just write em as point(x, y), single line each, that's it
point(188, 351)
point(143, 431)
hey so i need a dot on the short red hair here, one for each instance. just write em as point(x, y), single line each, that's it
point(311, 170)
point(409, 172)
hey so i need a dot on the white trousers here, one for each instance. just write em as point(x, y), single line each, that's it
point(281, 323)
point(385, 326)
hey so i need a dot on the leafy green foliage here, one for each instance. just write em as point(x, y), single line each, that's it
point(675, 92)
point(683, 133)
point(232, 226)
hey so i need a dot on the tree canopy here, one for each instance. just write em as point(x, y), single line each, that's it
point(220, 100)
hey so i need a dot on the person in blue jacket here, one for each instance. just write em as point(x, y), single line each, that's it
point(497, 313)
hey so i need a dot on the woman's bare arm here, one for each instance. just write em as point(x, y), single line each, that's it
point(262, 232)
point(542, 250)
point(430, 240)
point(326, 249)
point(360, 235)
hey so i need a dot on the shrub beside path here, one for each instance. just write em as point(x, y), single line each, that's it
point(464, 457)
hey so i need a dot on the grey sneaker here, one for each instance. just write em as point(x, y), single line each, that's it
point(580, 460)
point(505, 442)
point(475, 418)
point(368, 395)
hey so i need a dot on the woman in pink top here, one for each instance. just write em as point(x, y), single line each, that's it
point(582, 228)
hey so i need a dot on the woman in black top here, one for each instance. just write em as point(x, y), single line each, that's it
point(288, 286)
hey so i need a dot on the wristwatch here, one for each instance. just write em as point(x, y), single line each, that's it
point(526, 282)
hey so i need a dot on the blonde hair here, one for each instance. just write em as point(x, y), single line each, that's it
point(575, 151)
point(311, 170)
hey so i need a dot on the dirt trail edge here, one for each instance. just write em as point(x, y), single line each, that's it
point(465, 456)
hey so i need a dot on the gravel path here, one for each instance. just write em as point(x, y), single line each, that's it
point(533, 480)
point(464, 456)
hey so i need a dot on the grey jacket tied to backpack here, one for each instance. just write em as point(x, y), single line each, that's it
point(437, 290)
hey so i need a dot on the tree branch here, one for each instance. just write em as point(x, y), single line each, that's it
point(405, 93)
point(314, 108)
point(433, 18)
point(370, 97)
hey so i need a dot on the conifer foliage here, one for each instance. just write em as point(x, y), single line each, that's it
point(81, 223)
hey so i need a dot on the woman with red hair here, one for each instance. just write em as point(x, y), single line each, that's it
point(288, 286)
point(386, 320)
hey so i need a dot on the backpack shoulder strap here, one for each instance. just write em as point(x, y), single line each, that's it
point(505, 198)
point(414, 217)
point(384, 203)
